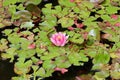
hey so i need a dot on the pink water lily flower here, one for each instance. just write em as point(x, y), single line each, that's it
point(59, 39)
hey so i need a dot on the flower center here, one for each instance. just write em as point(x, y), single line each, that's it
point(59, 37)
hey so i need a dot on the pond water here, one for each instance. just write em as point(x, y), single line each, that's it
point(74, 73)
point(6, 70)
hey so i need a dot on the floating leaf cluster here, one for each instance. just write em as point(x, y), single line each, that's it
point(93, 27)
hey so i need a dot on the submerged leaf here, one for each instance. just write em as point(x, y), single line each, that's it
point(27, 25)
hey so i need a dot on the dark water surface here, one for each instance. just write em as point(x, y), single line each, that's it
point(6, 70)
